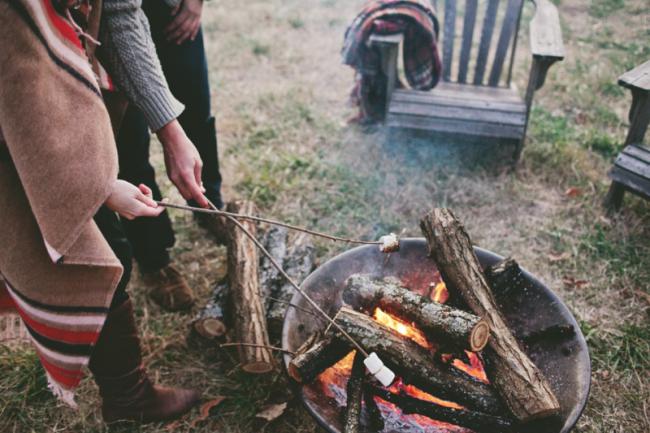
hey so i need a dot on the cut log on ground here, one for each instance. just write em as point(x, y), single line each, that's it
point(210, 323)
point(416, 366)
point(444, 324)
point(316, 355)
point(518, 380)
point(248, 315)
point(275, 242)
point(354, 388)
point(480, 422)
point(298, 264)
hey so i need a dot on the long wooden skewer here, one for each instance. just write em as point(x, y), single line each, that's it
point(215, 211)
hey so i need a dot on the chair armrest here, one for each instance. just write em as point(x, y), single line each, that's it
point(637, 78)
point(545, 32)
point(638, 81)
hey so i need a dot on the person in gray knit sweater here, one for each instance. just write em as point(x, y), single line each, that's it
point(130, 57)
point(132, 32)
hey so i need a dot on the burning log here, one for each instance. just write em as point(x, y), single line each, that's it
point(375, 418)
point(445, 324)
point(317, 355)
point(507, 277)
point(416, 366)
point(518, 380)
point(210, 323)
point(248, 316)
point(478, 421)
point(354, 395)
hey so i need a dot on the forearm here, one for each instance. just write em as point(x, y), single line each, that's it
point(130, 57)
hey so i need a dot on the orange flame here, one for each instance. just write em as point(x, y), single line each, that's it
point(440, 294)
point(401, 326)
point(474, 368)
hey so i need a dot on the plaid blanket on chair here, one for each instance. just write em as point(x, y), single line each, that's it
point(417, 20)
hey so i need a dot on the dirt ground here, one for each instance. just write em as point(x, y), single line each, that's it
point(280, 93)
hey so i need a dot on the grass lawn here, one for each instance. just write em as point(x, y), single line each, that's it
point(280, 92)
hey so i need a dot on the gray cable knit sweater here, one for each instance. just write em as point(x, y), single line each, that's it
point(131, 59)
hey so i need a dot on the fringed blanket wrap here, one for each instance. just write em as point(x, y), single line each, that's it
point(417, 20)
point(58, 164)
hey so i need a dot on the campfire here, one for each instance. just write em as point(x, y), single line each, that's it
point(458, 365)
point(333, 380)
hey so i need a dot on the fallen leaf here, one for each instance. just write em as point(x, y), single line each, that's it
point(643, 295)
point(272, 411)
point(552, 257)
point(573, 192)
point(204, 412)
point(571, 282)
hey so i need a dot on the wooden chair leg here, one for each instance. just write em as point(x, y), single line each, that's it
point(614, 198)
point(519, 146)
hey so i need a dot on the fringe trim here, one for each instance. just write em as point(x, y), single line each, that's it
point(65, 395)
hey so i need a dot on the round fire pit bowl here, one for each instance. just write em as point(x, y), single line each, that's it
point(564, 361)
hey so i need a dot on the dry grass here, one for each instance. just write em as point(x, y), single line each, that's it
point(279, 94)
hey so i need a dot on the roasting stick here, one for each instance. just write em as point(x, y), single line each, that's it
point(372, 362)
point(388, 243)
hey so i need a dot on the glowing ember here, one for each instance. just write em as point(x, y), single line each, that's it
point(400, 387)
point(474, 368)
point(399, 325)
point(440, 294)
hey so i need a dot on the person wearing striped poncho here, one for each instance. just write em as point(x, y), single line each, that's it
point(58, 188)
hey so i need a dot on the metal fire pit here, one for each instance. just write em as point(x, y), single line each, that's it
point(565, 362)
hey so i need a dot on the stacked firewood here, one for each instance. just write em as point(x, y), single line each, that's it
point(248, 307)
point(517, 392)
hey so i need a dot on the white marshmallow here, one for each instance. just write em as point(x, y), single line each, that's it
point(389, 243)
point(377, 368)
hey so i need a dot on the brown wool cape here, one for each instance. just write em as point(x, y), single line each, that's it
point(58, 164)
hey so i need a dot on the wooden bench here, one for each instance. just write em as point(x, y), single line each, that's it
point(485, 104)
point(631, 171)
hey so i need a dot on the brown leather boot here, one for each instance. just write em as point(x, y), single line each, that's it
point(169, 289)
point(126, 391)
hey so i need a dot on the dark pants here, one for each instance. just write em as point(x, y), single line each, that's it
point(113, 232)
point(185, 68)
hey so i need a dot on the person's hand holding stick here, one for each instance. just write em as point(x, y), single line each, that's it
point(183, 162)
point(132, 201)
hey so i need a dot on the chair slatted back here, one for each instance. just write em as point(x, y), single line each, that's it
point(469, 32)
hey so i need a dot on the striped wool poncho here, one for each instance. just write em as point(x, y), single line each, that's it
point(58, 164)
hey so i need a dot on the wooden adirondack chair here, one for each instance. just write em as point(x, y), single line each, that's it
point(631, 171)
point(485, 104)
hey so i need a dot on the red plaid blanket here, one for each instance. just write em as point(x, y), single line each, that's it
point(417, 20)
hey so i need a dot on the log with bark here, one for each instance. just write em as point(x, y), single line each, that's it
point(352, 415)
point(275, 242)
point(519, 382)
point(478, 421)
point(507, 277)
point(298, 264)
point(211, 321)
point(248, 315)
point(445, 325)
point(316, 355)
point(416, 365)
